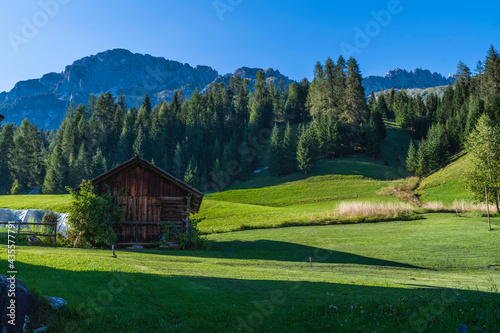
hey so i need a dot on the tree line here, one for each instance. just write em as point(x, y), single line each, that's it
point(441, 126)
point(208, 140)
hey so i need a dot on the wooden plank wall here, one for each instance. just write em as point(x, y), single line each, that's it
point(142, 189)
point(137, 181)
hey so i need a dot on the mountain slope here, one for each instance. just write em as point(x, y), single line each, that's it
point(44, 101)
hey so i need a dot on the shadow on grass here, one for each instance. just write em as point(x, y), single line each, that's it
point(282, 251)
point(103, 301)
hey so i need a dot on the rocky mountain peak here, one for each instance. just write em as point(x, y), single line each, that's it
point(403, 79)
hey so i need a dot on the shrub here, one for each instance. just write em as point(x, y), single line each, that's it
point(93, 217)
point(16, 188)
point(49, 217)
point(189, 239)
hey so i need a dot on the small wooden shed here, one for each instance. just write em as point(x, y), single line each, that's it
point(150, 196)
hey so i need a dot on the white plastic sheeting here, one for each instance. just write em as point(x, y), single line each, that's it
point(33, 216)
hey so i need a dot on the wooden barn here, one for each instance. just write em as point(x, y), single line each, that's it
point(150, 196)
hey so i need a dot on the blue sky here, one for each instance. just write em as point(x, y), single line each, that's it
point(227, 34)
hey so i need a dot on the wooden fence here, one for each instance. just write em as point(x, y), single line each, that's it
point(19, 224)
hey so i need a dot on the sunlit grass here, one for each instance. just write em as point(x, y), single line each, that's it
point(446, 185)
point(362, 264)
point(56, 203)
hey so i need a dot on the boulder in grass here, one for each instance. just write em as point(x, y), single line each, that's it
point(56, 302)
point(34, 240)
point(14, 316)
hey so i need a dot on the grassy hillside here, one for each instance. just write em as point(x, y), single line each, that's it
point(262, 278)
point(57, 203)
point(268, 201)
point(445, 185)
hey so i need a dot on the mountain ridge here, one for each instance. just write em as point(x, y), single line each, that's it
point(398, 78)
point(44, 100)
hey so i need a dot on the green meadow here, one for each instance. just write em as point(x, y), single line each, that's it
point(274, 279)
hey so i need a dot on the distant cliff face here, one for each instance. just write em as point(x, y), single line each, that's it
point(44, 101)
point(402, 79)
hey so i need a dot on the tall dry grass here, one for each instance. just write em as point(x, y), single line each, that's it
point(461, 206)
point(367, 211)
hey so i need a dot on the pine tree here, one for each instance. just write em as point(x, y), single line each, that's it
point(28, 166)
point(289, 150)
point(262, 108)
point(373, 138)
point(383, 108)
point(90, 107)
point(220, 178)
point(80, 125)
point(240, 101)
point(7, 159)
point(81, 168)
point(341, 71)
point(121, 102)
point(411, 160)
point(372, 101)
point(139, 144)
point(306, 151)
point(355, 110)
point(304, 114)
point(330, 81)
point(247, 161)
point(67, 133)
point(422, 160)
point(125, 142)
point(57, 176)
point(317, 101)
point(146, 104)
point(159, 136)
point(205, 181)
point(293, 104)
point(116, 130)
point(275, 152)
point(191, 175)
point(178, 168)
point(98, 165)
point(491, 82)
point(278, 98)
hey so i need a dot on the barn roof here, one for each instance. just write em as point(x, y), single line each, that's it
point(143, 163)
